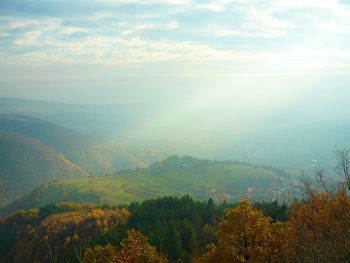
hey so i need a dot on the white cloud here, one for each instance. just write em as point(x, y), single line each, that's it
point(150, 26)
point(166, 26)
point(71, 30)
point(253, 22)
point(144, 2)
point(266, 25)
point(111, 40)
point(113, 50)
point(302, 4)
point(29, 39)
point(333, 7)
point(123, 50)
point(216, 5)
point(229, 32)
point(19, 24)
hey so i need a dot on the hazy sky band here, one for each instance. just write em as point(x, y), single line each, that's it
point(172, 51)
point(210, 68)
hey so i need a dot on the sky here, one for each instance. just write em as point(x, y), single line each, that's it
point(235, 59)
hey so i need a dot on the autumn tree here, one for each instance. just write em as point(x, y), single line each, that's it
point(248, 236)
point(321, 228)
point(100, 254)
point(62, 236)
point(136, 249)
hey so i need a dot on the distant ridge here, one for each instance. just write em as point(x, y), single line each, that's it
point(26, 162)
point(34, 151)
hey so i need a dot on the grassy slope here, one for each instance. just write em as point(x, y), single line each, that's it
point(174, 176)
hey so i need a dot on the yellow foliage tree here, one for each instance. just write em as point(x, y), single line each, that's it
point(136, 249)
point(100, 254)
point(248, 236)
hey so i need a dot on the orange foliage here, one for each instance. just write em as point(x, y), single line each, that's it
point(46, 239)
point(248, 236)
point(321, 228)
point(100, 254)
point(316, 231)
point(136, 249)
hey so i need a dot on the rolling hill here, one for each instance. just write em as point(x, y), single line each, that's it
point(96, 156)
point(174, 176)
point(26, 162)
point(35, 151)
point(79, 149)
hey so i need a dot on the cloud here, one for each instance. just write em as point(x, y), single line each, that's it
point(150, 26)
point(256, 32)
point(124, 50)
point(224, 32)
point(72, 30)
point(333, 8)
point(29, 39)
point(216, 5)
point(266, 25)
point(121, 51)
point(259, 26)
point(145, 2)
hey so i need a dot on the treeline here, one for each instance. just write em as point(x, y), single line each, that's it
point(172, 229)
point(176, 228)
point(182, 228)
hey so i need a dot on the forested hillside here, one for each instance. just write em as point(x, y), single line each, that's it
point(180, 229)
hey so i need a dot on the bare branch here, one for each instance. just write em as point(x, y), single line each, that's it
point(343, 165)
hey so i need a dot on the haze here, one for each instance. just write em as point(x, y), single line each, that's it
point(213, 71)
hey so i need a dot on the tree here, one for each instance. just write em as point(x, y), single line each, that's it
point(174, 225)
point(56, 236)
point(100, 254)
point(343, 166)
point(248, 236)
point(136, 249)
point(321, 228)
